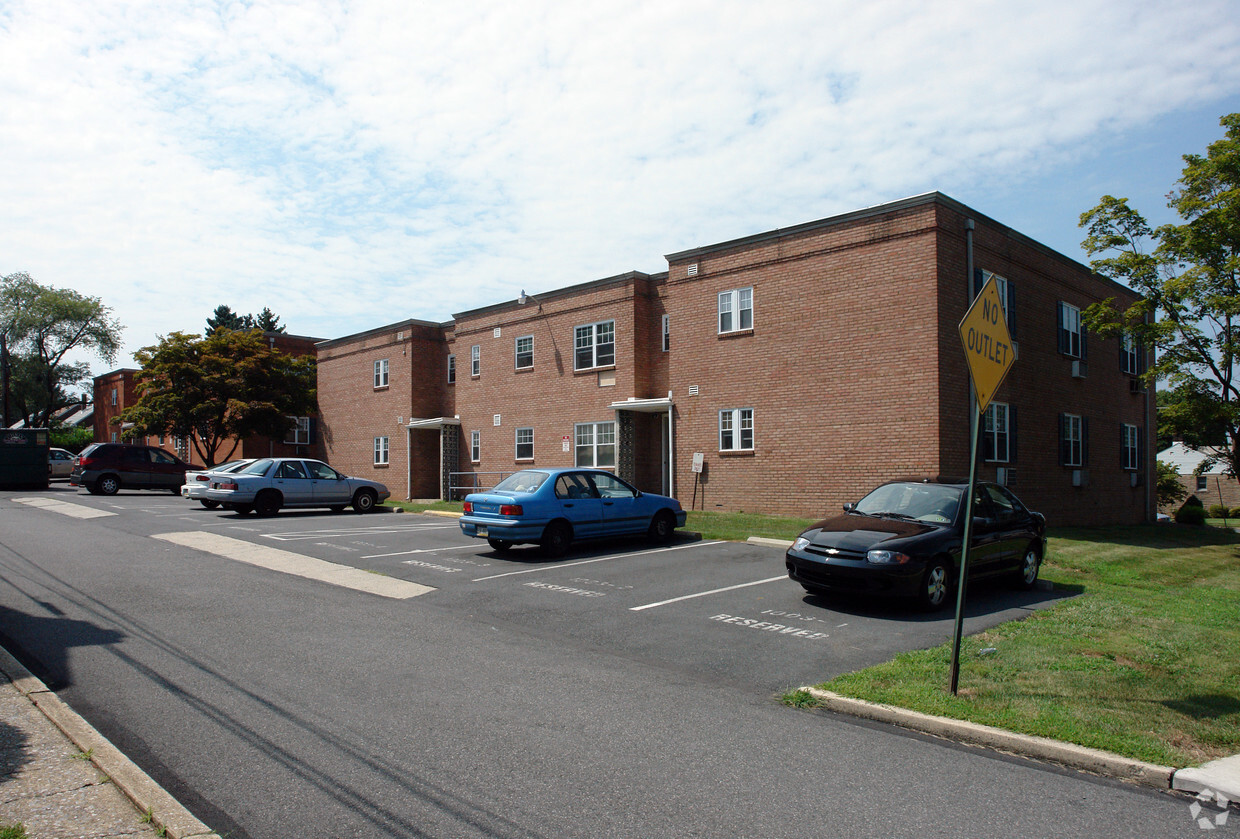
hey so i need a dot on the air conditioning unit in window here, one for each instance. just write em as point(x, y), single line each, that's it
point(1134, 479)
point(1079, 369)
point(1005, 476)
point(1080, 477)
point(1135, 386)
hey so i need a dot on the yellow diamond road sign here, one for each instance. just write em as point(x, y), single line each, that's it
point(987, 343)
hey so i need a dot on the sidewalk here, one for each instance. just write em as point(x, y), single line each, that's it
point(59, 778)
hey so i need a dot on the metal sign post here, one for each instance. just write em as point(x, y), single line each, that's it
point(988, 349)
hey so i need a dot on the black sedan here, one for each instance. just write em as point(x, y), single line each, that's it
point(904, 539)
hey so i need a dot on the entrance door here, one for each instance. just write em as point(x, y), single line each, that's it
point(665, 461)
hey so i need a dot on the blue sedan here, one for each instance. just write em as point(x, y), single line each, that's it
point(555, 507)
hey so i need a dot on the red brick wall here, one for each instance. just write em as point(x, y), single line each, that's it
point(1040, 383)
point(839, 368)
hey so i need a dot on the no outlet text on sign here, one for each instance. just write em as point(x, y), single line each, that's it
point(987, 343)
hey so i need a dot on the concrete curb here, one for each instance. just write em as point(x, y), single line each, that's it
point(1041, 748)
point(447, 514)
point(149, 797)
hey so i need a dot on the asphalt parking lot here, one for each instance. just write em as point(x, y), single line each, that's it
point(720, 611)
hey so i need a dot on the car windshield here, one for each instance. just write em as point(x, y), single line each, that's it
point(932, 503)
point(524, 481)
point(258, 467)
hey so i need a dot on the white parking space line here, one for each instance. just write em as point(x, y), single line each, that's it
point(287, 562)
point(422, 551)
point(327, 533)
point(77, 511)
point(708, 593)
point(546, 568)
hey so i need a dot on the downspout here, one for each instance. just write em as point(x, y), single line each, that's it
point(968, 298)
point(671, 446)
point(408, 463)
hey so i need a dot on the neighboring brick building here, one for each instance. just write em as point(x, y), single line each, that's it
point(1211, 485)
point(804, 365)
point(115, 391)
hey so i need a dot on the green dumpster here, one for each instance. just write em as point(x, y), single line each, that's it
point(23, 458)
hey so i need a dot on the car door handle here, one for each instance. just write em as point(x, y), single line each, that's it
point(608, 503)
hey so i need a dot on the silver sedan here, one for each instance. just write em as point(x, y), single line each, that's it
point(269, 484)
point(196, 483)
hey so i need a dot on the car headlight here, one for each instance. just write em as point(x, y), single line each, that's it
point(887, 557)
point(800, 544)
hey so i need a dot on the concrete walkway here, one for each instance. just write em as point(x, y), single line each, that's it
point(61, 779)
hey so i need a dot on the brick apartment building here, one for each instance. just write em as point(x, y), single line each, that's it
point(115, 391)
point(802, 366)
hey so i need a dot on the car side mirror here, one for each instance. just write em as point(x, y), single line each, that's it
point(849, 507)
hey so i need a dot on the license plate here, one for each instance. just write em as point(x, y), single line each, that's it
point(482, 530)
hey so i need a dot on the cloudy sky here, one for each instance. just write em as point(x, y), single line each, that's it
point(351, 163)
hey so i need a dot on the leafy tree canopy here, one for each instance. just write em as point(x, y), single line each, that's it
point(39, 326)
point(227, 386)
point(1189, 275)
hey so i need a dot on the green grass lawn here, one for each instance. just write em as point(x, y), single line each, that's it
point(1145, 662)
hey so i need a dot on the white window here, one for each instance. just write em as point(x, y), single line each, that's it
point(525, 444)
point(667, 332)
point(1202, 483)
point(525, 352)
point(475, 360)
point(475, 446)
point(736, 430)
point(996, 438)
point(1071, 342)
point(1129, 361)
point(381, 373)
point(452, 369)
point(381, 451)
point(299, 433)
point(736, 309)
point(1071, 440)
point(596, 444)
point(113, 397)
point(1131, 447)
point(594, 345)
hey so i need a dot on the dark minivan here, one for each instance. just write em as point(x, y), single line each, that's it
point(106, 468)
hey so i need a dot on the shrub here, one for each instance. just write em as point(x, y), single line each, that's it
point(1218, 511)
point(1235, 513)
point(1193, 501)
point(1190, 514)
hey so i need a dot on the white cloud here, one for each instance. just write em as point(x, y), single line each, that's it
point(351, 164)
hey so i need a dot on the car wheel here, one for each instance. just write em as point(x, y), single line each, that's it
point(662, 526)
point(500, 545)
point(208, 503)
point(108, 485)
point(556, 538)
point(267, 503)
point(1027, 573)
point(364, 501)
point(935, 585)
point(242, 509)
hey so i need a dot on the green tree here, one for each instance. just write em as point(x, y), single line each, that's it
point(39, 327)
point(1190, 311)
point(227, 386)
point(1170, 490)
point(225, 318)
point(267, 321)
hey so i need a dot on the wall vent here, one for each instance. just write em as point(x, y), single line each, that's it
point(495, 420)
point(693, 390)
point(693, 269)
point(495, 332)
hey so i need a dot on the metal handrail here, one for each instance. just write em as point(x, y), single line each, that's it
point(474, 484)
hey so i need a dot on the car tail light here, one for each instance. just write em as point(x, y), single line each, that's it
point(510, 510)
point(227, 485)
point(202, 478)
point(81, 461)
point(469, 506)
